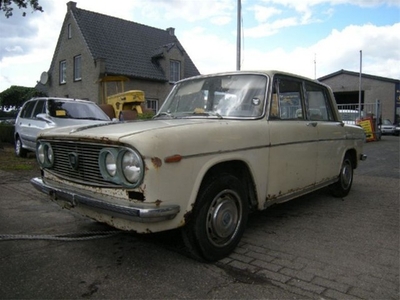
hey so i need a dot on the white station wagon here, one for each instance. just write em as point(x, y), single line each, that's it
point(221, 146)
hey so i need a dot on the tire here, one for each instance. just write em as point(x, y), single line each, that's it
point(342, 187)
point(218, 219)
point(19, 151)
point(108, 109)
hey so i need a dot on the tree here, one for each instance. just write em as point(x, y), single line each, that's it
point(5, 5)
point(15, 96)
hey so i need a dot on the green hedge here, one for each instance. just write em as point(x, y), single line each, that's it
point(6, 133)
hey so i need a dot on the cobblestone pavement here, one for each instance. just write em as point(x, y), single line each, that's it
point(314, 247)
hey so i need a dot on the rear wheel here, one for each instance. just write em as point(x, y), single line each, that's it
point(19, 151)
point(218, 219)
point(342, 187)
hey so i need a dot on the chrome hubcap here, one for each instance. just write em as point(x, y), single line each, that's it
point(346, 175)
point(223, 218)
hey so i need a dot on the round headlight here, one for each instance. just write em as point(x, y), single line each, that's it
point(40, 153)
point(45, 154)
point(111, 164)
point(132, 166)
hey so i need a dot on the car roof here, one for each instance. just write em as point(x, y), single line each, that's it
point(61, 99)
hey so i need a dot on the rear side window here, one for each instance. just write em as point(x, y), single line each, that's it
point(28, 109)
point(318, 105)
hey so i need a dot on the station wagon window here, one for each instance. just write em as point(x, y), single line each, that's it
point(39, 108)
point(286, 103)
point(28, 109)
point(318, 105)
point(63, 72)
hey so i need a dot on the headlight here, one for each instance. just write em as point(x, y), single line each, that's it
point(111, 164)
point(121, 166)
point(131, 166)
point(44, 154)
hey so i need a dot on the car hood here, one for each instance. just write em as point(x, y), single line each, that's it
point(170, 136)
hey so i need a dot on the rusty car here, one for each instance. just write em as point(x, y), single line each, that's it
point(221, 146)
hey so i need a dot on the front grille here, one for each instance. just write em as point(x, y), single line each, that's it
point(87, 170)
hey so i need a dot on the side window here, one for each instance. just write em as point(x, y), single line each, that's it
point(286, 99)
point(77, 68)
point(175, 71)
point(63, 72)
point(39, 108)
point(28, 109)
point(318, 105)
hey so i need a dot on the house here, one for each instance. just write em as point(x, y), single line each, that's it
point(346, 86)
point(98, 55)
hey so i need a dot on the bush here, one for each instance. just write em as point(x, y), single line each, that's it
point(6, 133)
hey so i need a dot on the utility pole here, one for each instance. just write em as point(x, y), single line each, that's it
point(359, 87)
point(239, 17)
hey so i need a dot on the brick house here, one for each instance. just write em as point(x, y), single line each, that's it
point(98, 55)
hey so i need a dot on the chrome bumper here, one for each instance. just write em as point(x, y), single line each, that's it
point(142, 212)
point(363, 157)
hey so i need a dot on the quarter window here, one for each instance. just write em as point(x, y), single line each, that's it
point(63, 72)
point(175, 70)
point(77, 68)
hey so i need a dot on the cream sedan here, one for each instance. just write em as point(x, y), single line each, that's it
point(221, 146)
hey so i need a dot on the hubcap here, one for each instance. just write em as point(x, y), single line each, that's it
point(346, 175)
point(224, 218)
point(18, 146)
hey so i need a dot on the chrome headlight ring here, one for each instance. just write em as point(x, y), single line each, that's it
point(44, 154)
point(122, 166)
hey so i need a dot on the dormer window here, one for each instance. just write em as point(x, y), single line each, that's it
point(174, 71)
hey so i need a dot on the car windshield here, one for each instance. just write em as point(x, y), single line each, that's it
point(229, 96)
point(75, 110)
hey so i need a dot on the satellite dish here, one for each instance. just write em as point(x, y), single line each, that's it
point(44, 78)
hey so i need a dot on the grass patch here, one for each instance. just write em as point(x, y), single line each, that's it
point(10, 162)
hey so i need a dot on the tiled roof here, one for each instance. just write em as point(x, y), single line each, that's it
point(128, 48)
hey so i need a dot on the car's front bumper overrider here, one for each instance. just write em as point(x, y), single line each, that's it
point(137, 212)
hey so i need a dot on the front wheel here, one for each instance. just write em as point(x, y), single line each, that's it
point(342, 187)
point(19, 150)
point(218, 219)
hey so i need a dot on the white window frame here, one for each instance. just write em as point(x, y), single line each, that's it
point(63, 72)
point(174, 70)
point(78, 68)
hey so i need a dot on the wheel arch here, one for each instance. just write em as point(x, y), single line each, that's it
point(352, 153)
point(239, 169)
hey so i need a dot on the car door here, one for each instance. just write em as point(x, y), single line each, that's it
point(331, 139)
point(24, 123)
point(36, 124)
point(293, 141)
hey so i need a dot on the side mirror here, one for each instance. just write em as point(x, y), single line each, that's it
point(44, 117)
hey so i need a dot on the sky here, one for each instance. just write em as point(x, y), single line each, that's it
point(312, 38)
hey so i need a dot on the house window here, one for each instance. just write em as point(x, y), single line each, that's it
point(63, 71)
point(174, 71)
point(69, 31)
point(152, 104)
point(77, 68)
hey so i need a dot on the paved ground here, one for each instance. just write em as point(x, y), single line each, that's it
point(315, 247)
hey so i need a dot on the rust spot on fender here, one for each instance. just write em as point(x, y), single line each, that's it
point(156, 162)
point(158, 202)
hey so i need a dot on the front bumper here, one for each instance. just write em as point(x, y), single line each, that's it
point(137, 212)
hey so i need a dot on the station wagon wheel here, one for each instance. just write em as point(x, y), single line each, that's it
point(19, 151)
point(218, 220)
point(342, 187)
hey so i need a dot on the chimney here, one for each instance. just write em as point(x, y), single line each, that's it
point(171, 31)
point(71, 5)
